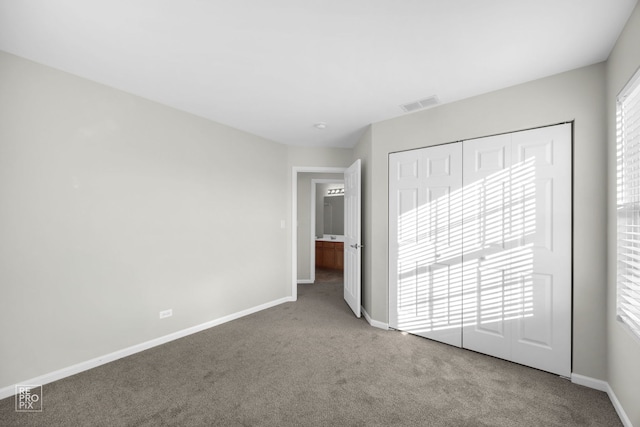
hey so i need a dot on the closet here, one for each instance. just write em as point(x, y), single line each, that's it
point(480, 245)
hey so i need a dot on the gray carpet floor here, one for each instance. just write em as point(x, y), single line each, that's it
point(312, 363)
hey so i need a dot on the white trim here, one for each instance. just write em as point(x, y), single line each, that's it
point(589, 382)
point(374, 323)
point(629, 86)
point(626, 422)
point(306, 282)
point(294, 217)
point(605, 387)
point(101, 360)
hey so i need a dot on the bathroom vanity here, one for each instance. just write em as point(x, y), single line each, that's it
point(330, 252)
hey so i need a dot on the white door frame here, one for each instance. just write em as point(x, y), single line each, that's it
point(294, 217)
point(312, 250)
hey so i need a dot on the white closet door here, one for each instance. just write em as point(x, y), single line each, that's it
point(542, 266)
point(425, 242)
point(487, 247)
point(517, 247)
point(480, 245)
point(406, 174)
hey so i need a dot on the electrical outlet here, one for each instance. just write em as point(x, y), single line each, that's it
point(166, 313)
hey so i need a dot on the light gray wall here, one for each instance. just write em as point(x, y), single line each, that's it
point(304, 221)
point(576, 95)
point(114, 208)
point(319, 157)
point(624, 349)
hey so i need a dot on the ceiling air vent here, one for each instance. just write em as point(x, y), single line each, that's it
point(419, 105)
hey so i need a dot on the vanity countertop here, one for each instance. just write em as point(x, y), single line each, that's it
point(330, 238)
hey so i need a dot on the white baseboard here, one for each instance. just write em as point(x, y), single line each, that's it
point(93, 363)
point(603, 386)
point(589, 382)
point(372, 322)
point(305, 282)
point(626, 422)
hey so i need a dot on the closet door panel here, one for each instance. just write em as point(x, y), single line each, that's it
point(486, 245)
point(443, 187)
point(406, 171)
point(425, 271)
point(542, 335)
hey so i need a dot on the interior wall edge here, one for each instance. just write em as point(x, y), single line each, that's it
point(373, 322)
point(623, 348)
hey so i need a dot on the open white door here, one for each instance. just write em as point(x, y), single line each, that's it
point(352, 237)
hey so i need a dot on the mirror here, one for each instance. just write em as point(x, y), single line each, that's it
point(334, 215)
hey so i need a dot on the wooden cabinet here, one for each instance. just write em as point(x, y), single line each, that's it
point(330, 255)
point(319, 254)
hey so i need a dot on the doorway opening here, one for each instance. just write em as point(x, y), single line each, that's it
point(326, 247)
point(302, 233)
point(352, 244)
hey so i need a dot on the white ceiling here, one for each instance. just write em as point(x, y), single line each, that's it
point(276, 67)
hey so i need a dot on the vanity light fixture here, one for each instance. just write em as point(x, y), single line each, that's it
point(335, 191)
